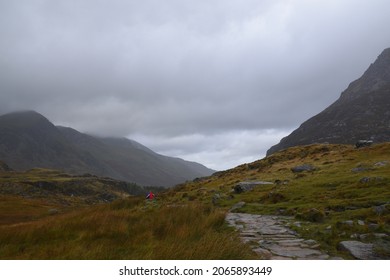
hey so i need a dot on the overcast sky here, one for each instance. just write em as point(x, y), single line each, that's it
point(213, 81)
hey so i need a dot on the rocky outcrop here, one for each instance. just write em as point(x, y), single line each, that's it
point(361, 112)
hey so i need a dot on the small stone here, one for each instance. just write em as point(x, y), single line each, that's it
point(328, 228)
point(216, 198)
point(310, 242)
point(316, 246)
point(381, 163)
point(379, 210)
point(263, 252)
point(361, 223)
point(348, 223)
point(238, 205)
point(360, 169)
point(53, 211)
point(373, 226)
point(365, 180)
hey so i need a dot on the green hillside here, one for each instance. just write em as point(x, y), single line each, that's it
point(29, 140)
point(345, 184)
point(343, 195)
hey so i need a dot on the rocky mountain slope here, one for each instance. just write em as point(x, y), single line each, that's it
point(28, 140)
point(361, 112)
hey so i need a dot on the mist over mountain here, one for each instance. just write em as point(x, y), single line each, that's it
point(361, 113)
point(29, 140)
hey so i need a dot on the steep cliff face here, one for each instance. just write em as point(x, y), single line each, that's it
point(361, 112)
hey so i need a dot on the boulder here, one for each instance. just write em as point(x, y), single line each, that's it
point(363, 143)
point(237, 206)
point(302, 168)
point(381, 209)
point(216, 198)
point(248, 186)
point(361, 169)
point(381, 163)
point(359, 250)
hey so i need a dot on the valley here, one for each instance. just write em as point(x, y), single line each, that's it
point(343, 197)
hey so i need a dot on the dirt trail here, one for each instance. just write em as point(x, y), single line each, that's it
point(272, 238)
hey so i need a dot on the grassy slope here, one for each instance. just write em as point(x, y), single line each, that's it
point(322, 199)
point(188, 221)
point(125, 229)
point(63, 190)
point(67, 217)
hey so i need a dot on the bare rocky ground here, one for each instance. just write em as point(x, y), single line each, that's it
point(271, 237)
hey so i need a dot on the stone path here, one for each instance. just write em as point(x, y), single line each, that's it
point(270, 237)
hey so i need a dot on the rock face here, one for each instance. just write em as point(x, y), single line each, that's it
point(361, 112)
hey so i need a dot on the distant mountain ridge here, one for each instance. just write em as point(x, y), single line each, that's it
point(361, 113)
point(29, 140)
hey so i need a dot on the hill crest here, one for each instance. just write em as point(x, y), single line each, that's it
point(29, 140)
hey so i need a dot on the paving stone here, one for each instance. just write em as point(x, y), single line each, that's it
point(274, 238)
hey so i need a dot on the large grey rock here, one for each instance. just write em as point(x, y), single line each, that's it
point(359, 250)
point(302, 168)
point(363, 143)
point(248, 186)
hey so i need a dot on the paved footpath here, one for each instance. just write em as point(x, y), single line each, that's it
point(271, 238)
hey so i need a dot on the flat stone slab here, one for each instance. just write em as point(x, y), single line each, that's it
point(274, 238)
point(359, 250)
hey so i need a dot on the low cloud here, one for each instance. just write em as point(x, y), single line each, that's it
point(203, 80)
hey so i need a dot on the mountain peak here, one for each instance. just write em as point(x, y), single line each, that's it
point(28, 140)
point(24, 119)
point(375, 77)
point(361, 112)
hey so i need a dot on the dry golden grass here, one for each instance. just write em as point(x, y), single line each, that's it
point(126, 229)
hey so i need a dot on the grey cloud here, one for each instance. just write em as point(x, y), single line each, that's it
point(174, 69)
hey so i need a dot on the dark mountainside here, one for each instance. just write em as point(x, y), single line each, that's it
point(361, 113)
point(28, 140)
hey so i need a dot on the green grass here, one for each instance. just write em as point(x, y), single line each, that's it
point(187, 222)
point(334, 190)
